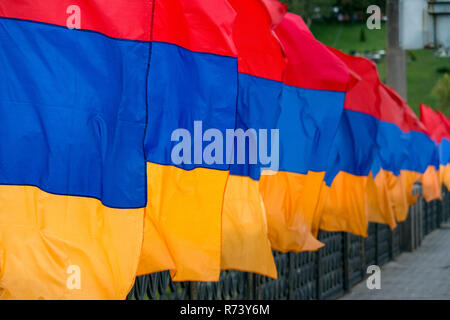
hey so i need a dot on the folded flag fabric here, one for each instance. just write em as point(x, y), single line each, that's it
point(346, 204)
point(405, 150)
point(378, 130)
point(379, 206)
point(113, 92)
point(261, 63)
point(444, 151)
point(72, 165)
point(192, 89)
point(400, 129)
point(437, 128)
point(311, 103)
point(79, 96)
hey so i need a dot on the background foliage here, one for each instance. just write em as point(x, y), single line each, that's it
point(323, 9)
point(442, 93)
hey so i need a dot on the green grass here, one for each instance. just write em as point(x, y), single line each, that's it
point(422, 77)
point(347, 36)
point(422, 72)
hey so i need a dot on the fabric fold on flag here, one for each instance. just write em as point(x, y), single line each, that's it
point(59, 247)
point(437, 128)
point(245, 243)
point(347, 203)
point(261, 63)
point(379, 204)
point(404, 167)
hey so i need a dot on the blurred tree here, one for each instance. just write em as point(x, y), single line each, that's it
point(442, 92)
point(359, 6)
point(308, 9)
point(362, 35)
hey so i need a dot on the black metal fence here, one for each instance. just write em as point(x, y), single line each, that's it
point(325, 274)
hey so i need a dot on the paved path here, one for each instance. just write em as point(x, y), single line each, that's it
point(422, 274)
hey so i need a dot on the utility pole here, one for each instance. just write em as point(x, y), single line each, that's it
point(396, 56)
